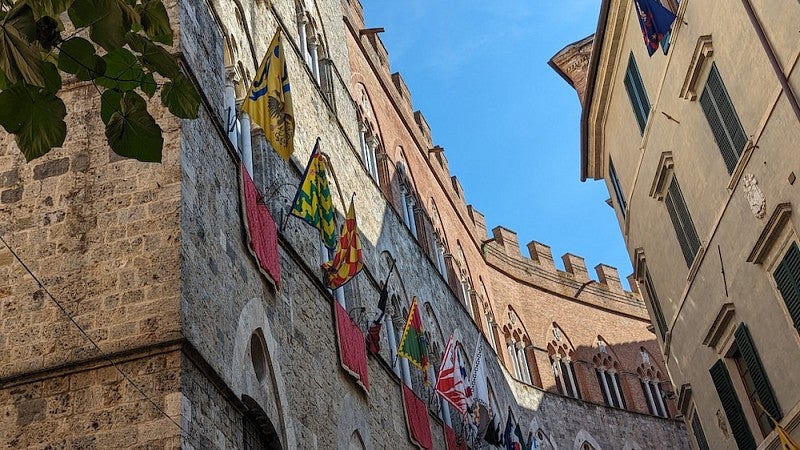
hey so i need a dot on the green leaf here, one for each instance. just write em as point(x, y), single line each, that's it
point(52, 78)
point(149, 85)
point(77, 57)
point(109, 104)
point(132, 132)
point(50, 8)
point(109, 20)
point(154, 57)
point(19, 57)
point(155, 21)
point(181, 98)
point(122, 71)
point(35, 116)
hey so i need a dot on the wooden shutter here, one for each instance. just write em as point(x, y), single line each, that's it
point(723, 120)
point(733, 409)
point(636, 93)
point(697, 430)
point(750, 356)
point(617, 188)
point(682, 222)
point(787, 278)
point(661, 323)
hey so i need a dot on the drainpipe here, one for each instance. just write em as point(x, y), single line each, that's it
point(787, 89)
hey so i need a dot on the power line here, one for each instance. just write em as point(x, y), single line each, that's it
point(93, 342)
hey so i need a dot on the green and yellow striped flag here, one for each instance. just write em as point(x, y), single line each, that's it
point(413, 343)
point(313, 202)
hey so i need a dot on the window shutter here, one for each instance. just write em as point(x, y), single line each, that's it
point(657, 312)
point(787, 278)
point(723, 120)
point(697, 430)
point(682, 222)
point(750, 355)
point(612, 173)
point(636, 93)
point(733, 409)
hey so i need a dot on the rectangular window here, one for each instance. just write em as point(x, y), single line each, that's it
point(682, 221)
point(636, 93)
point(697, 431)
point(756, 383)
point(722, 118)
point(787, 278)
point(612, 174)
point(658, 314)
point(731, 406)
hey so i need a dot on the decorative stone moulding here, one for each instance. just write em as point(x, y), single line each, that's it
point(660, 182)
point(771, 233)
point(703, 52)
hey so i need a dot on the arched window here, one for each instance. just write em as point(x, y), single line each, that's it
point(368, 141)
point(310, 40)
point(607, 370)
point(560, 351)
point(408, 200)
point(518, 349)
point(258, 432)
point(488, 316)
point(650, 380)
point(465, 282)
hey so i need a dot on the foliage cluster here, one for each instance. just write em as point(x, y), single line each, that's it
point(117, 45)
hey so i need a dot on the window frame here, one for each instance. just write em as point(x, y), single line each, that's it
point(637, 93)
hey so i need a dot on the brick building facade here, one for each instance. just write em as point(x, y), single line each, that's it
point(152, 261)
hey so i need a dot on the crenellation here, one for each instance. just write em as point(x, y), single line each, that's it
point(457, 187)
point(479, 220)
point(542, 254)
point(576, 266)
point(633, 284)
point(608, 276)
point(508, 240)
point(424, 128)
point(402, 89)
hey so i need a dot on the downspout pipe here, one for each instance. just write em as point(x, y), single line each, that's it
point(773, 59)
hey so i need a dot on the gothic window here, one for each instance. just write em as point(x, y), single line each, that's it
point(607, 372)
point(311, 42)
point(407, 198)
point(560, 351)
point(368, 141)
point(697, 430)
point(650, 381)
point(723, 120)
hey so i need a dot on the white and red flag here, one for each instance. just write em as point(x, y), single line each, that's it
point(450, 384)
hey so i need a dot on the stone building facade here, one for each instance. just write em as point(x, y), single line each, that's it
point(696, 144)
point(196, 348)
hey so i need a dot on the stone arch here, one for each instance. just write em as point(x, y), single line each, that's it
point(270, 392)
point(584, 438)
point(258, 426)
point(353, 423)
point(546, 441)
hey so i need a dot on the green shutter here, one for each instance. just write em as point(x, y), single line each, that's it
point(697, 430)
point(733, 409)
point(750, 356)
point(787, 278)
point(723, 120)
point(682, 222)
point(636, 93)
point(657, 312)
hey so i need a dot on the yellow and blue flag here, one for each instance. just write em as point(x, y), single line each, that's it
point(269, 101)
point(313, 202)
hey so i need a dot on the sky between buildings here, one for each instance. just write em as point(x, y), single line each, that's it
point(510, 125)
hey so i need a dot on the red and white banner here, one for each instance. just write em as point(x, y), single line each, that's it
point(450, 384)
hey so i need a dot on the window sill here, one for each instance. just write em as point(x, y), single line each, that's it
point(698, 259)
point(744, 159)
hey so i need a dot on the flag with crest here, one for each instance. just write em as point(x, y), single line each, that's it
point(269, 101)
point(313, 202)
point(655, 21)
point(347, 261)
point(413, 343)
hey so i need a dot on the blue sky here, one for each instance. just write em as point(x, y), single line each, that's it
point(509, 124)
